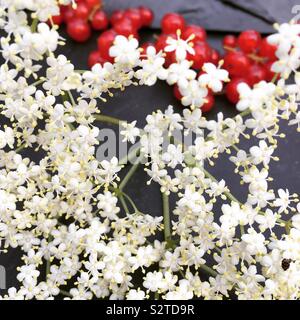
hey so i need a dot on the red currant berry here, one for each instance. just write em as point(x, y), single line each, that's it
point(79, 30)
point(93, 4)
point(99, 20)
point(125, 28)
point(135, 17)
point(95, 57)
point(229, 42)
point(147, 16)
point(202, 55)
point(56, 20)
point(256, 73)
point(231, 89)
point(200, 33)
point(105, 41)
point(116, 17)
point(267, 50)
point(249, 41)
point(82, 11)
point(215, 56)
point(68, 13)
point(171, 22)
point(208, 105)
point(236, 63)
point(176, 92)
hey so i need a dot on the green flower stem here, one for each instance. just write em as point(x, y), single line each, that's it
point(166, 215)
point(209, 270)
point(128, 176)
point(245, 113)
point(20, 148)
point(34, 25)
point(72, 100)
point(38, 82)
point(108, 119)
point(65, 293)
point(129, 156)
point(124, 204)
point(130, 201)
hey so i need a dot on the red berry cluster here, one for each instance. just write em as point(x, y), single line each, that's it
point(170, 23)
point(81, 20)
point(124, 22)
point(248, 58)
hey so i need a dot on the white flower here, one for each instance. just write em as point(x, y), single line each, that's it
point(135, 295)
point(261, 153)
point(130, 131)
point(28, 275)
point(173, 156)
point(180, 73)
point(7, 137)
point(180, 46)
point(267, 220)
point(255, 242)
point(125, 50)
point(213, 77)
point(283, 201)
point(193, 94)
point(152, 68)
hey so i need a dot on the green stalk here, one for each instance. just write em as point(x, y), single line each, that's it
point(128, 176)
point(108, 119)
point(166, 215)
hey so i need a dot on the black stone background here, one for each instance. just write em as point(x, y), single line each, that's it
point(218, 17)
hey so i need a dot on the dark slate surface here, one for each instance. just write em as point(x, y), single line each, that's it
point(136, 103)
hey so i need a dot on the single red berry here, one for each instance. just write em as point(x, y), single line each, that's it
point(215, 56)
point(79, 30)
point(176, 92)
point(93, 3)
point(231, 89)
point(256, 73)
point(147, 16)
point(267, 50)
point(208, 105)
point(270, 75)
point(229, 41)
point(56, 20)
point(171, 22)
point(198, 32)
point(68, 13)
point(82, 11)
point(105, 41)
point(249, 41)
point(95, 57)
point(125, 28)
point(202, 55)
point(170, 58)
point(135, 17)
point(99, 20)
point(236, 63)
point(116, 17)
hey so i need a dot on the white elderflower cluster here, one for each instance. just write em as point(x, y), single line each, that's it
point(82, 236)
